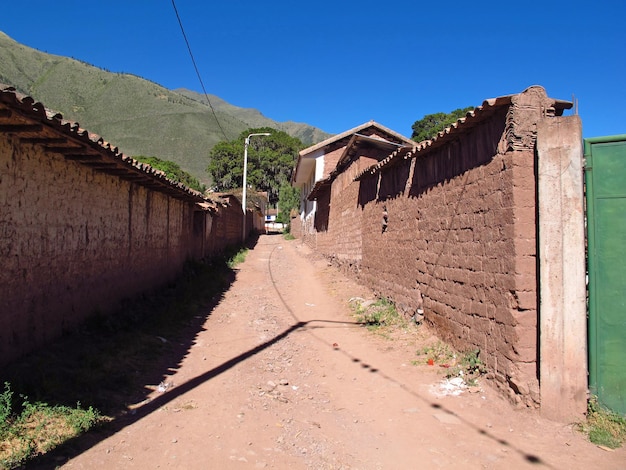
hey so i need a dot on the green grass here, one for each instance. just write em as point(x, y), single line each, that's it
point(35, 428)
point(6, 407)
point(438, 353)
point(604, 427)
point(381, 313)
point(237, 258)
point(467, 365)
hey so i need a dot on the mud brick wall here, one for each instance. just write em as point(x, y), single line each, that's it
point(296, 227)
point(339, 225)
point(390, 256)
point(227, 228)
point(304, 230)
point(342, 241)
point(330, 161)
point(464, 251)
point(460, 241)
point(255, 221)
point(75, 242)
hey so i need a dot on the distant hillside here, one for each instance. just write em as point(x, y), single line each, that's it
point(137, 115)
point(253, 118)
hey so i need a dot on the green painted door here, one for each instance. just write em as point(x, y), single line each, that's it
point(605, 177)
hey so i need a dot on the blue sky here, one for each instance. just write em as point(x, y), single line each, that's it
point(336, 65)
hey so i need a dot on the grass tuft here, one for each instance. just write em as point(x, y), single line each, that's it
point(35, 428)
point(467, 365)
point(438, 353)
point(376, 315)
point(604, 427)
point(237, 258)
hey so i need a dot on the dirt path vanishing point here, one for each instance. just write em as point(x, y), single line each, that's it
point(281, 377)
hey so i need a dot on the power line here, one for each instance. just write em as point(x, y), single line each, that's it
point(197, 71)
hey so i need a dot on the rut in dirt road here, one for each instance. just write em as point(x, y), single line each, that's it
point(282, 376)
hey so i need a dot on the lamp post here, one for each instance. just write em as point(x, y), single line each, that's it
point(245, 174)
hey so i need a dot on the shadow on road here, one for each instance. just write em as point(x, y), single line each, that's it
point(82, 443)
point(107, 362)
point(531, 458)
point(123, 419)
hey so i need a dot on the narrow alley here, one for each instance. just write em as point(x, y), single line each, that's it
point(283, 377)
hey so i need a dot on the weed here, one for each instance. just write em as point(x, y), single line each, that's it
point(469, 367)
point(288, 236)
point(603, 427)
point(83, 420)
point(237, 258)
point(439, 353)
point(378, 314)
point(6, 407)
point(39, 427)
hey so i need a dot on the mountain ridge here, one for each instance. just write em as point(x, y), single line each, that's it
point(139, 116)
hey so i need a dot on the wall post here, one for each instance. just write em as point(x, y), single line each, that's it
point(562, 289)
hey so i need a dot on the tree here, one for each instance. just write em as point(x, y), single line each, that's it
point(288, 199)
point(270, 161)
point(427, 127)
point(173, 172)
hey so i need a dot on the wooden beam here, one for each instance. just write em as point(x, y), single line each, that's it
point(82, 156)
point(99, 164)
point(135, 177)
point(67, 150)
point(17, 128)
point(43, 140)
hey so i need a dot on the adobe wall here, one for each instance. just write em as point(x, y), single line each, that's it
point(296, 227)
point(460, 244)
point(74, 242)
point(460, 241)
point(227, 228)
point(339, 226)
point(331, 159)
point(342, 241)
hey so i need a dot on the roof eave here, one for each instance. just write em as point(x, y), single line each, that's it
point(470, 119)
point(67, 138)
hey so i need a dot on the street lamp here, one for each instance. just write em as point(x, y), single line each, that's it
point(245, 172)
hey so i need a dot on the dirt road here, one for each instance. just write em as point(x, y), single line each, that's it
point(282, 377)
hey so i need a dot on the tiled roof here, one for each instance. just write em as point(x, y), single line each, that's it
point(401, 153)
point(34, 124)
point(341, 139)
point(471, 119)
point(350, 152)
point(351, 132)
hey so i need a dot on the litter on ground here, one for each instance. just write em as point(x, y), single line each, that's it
point(449, 387)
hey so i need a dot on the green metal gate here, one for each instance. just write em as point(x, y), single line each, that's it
point(605, 179)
